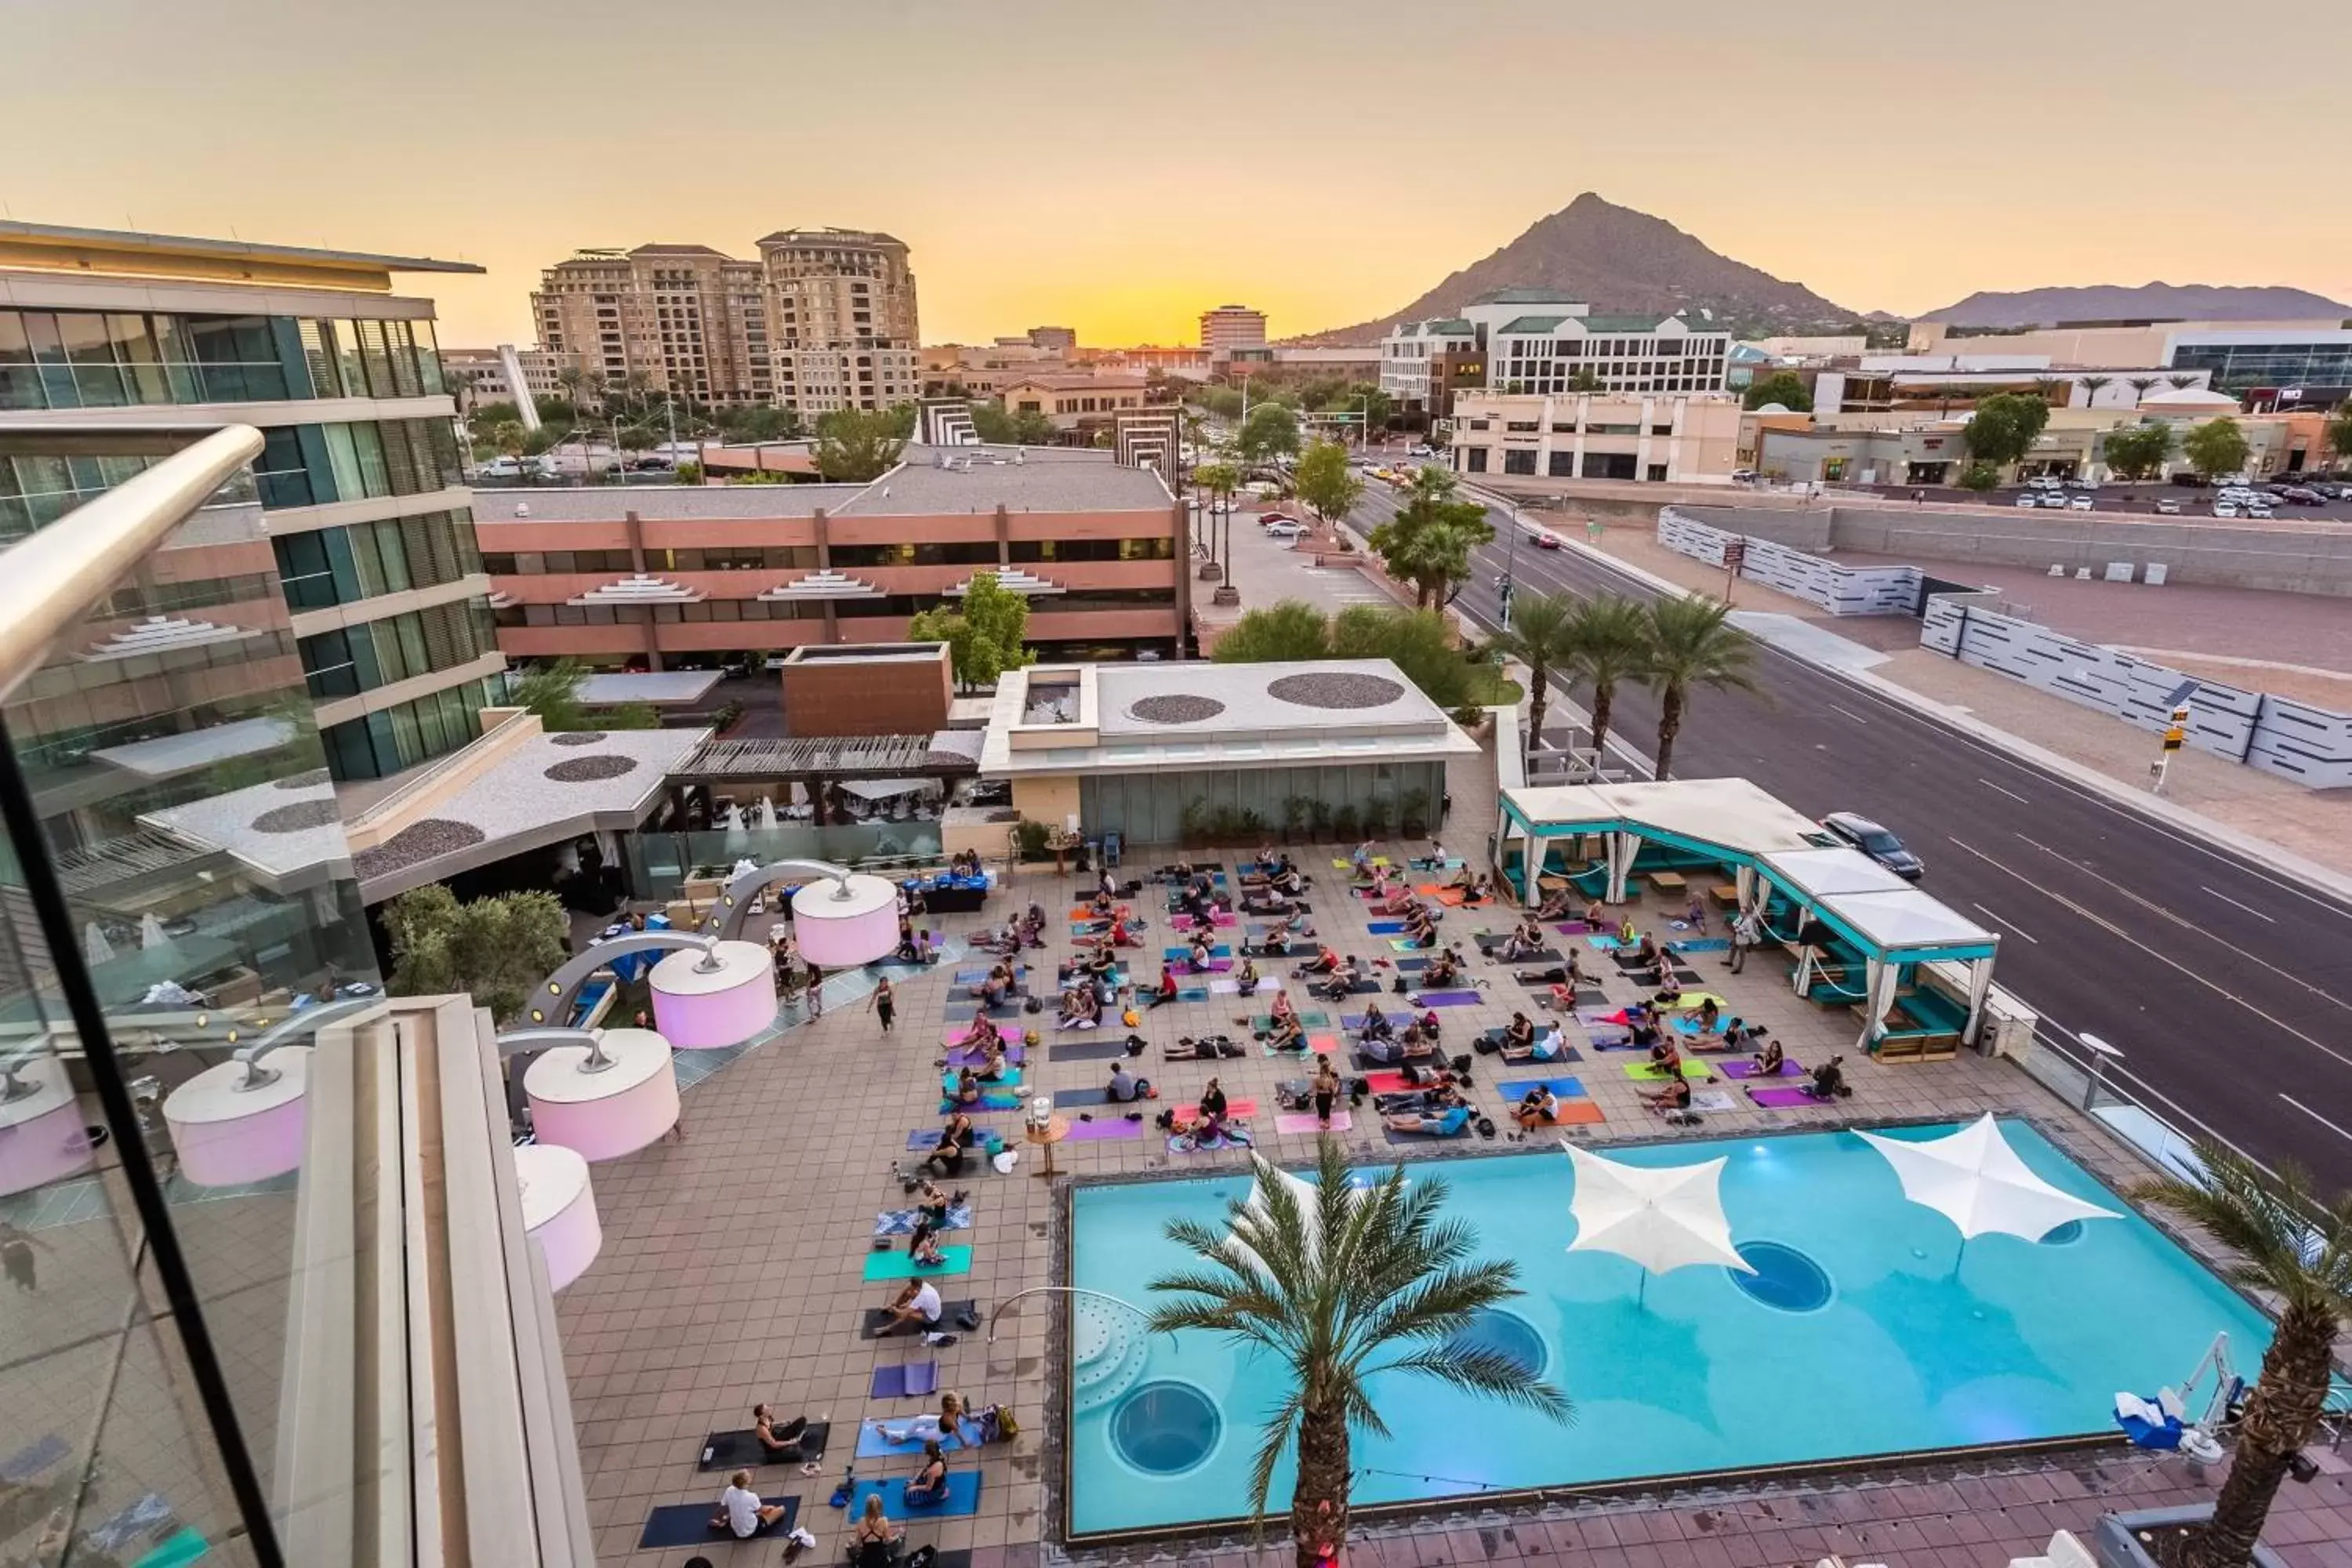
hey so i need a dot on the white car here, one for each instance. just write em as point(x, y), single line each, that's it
point(1284, 528)
point(2225, 509)
point(2029, 500)
point(2260, 510)
point(2168, 506)
point(2080, 503)
point(1420, 449)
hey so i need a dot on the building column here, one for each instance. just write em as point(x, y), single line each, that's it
point(1004, 536)
point(636, 530)
point(825, 564)
point(1583, 413)
point(1180, 533)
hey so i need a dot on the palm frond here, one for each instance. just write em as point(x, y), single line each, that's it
point(1489, 1372)
point(1271, 1442)
point(1441, 1304)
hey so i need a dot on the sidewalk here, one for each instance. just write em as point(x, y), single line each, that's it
point(2315, 824)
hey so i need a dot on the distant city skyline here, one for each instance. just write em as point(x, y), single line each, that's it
point(1130, 168)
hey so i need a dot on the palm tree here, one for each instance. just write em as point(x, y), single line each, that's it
point(1691, 643)
point(1337, 1287)
point(2090, 385)
point(1610, 636)
point(2047, 388)
point(2307, 1266)
point(2181, 383)
point(1542, 636)
point(2139, 385)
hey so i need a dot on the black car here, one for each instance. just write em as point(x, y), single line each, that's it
point(1875, 842)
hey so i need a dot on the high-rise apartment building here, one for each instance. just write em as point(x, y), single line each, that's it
point(1230, 327)
point(363, 544)
point(686, 317)
point(842, 310)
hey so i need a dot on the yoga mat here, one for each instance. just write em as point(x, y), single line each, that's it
point(1571, 1113)
point(1520, 1088)
point(1701, 944)
point(1650, 1072)
point(1605, 944)
point(874, 1324)
point(962, 1056)
point(1192, 994)
point(969, 977)
point(1410, 965)
point(1184, 1143)
point(962, 1498)
point(1098, 1132)
point(901, 1222)
point(1780, 1097)
point(873, 1445)
point(1234, 1109)
point(734, 1450)
point(1173, 954)
point(34, 1458)
point(1304, 1120)
point(1314, 1020)
point(1447, 999)
point(1070, 1096)
point(995, 1100)
point(912, 1379)
point(923, 1138)
point(688, 1524)
point(955, 1033)
point(1748, 1069)
point(1711, 1099)
point(1266, 986)
point(1393, 1136)
point(1539, 955)
point(1086, 1050)
point(1406, 944)
point(1387, 928)
point(1387, 1083)
point(902, 1265)
point(1572, 927)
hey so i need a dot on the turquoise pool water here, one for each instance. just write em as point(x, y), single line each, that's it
point(1859, 1337)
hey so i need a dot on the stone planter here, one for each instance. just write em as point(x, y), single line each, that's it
point(2117, 1541)
point(1210, 572)
point(1226, 593)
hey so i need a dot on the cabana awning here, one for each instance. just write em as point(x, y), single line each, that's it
point(1730, 815)
point(1906, 926)
point(1807, 875)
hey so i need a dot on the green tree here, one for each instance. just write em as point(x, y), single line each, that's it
point(2339, 432)
point(1284, 631)
point(1979, 476)
point(855, 445)
point(986, 637)
point(2297, 1250)
point(1325, 482)
point(1784, 387)
point(2004, 428)
point(1588, 380)
point(759, 422)
point(1692, 644)
point(992, 423)
point(1608, 643)
point(552, 692)
point(1270, 429)
point(1430, 541)
point(510, 439)
point(1336, 1285)
point(2216, 447)
point(1220, 480)
point(2090, 385)
point(1418, 642)
point(2139, 385)
point(1541, 636)
point(2138, 451)
point(495, 950)
point(1033, 427)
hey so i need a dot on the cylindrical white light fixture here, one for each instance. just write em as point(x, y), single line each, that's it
point(840, 923)
point(604, 1102)
point(241, 1121)
point(559, 1209)
point(44, 1137)
point(705, 1000)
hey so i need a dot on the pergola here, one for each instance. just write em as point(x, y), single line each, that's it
point(816, 760)
point(1729, 820)
point(1891, 923)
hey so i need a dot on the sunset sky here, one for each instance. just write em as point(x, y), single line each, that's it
point(1118, 167)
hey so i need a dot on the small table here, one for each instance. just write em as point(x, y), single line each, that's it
point(1726, 894)
point(1667, 881)
point(1057, 1128)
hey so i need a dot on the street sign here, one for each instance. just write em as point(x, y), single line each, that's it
point(1735, 553)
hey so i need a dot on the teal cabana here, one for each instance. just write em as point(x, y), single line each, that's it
point(1679, 824)
point(1868, 915)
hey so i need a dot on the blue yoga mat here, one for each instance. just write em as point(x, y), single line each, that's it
point(1520, 1088)
point(1388, 928)
point(963, 1498)
point(1171, 954)
point(1701, 944)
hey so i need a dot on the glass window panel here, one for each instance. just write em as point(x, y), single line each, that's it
point(413, 652)
point(408, 739)
point(373, 479)
point(343, 461)
point(392, 543)
point(367, 559)
point(434, 738)
point(318, 353)
point(403, 354)
point(399, 459)
point(374, 357)
point(90, 350)
point(428, 356)
point(391, 663)
point(49, 353)
point(20, 381)
point(421, 453)
point(140, 357)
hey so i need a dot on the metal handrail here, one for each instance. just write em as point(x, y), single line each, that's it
point(54, 576)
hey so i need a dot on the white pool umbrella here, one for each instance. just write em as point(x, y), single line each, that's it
point(1254, 1207)
point(1973, 1178)
point(151, 931)
point(1663, 1217)
point(95, 947)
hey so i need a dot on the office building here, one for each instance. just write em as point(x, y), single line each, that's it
point(1540, 341)
point(841, 306)
point(683, 318)
point(1076, 402)
point(2244, 359)
point(1424, 363)
point(1060, 339)
point(686, 577)
point(1955, 381)
point(1656, 439)
point(1230, 327)
point(362, 544)
point(478, 376)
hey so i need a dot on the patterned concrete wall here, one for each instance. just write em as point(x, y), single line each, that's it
point(2310, 745)
point(1840, 590)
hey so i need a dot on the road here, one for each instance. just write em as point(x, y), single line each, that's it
point(2227, 987)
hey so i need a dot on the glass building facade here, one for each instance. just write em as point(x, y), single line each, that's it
point(173, 885)
point(94, 359)
point(2238, 366)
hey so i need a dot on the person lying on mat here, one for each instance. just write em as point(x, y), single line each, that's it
point(741, 1513)
point(1672, 1097)
point(946, 1155)
point(781, 1441)
point(1209, 1050)
point(916, 1302)
point(1446, 1124)
point(1165, 992)
point(930, 1428)
point(1537, 1108)
point(923, 1245)
point(874, 1541)
point(1768, 1060)
point(927, 1487)
point(1376, 1023)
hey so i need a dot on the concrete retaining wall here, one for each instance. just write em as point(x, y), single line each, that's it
point(1840, 589)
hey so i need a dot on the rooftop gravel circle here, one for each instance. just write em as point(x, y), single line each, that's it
point(587, 770)
point(576, 738)
point(299, 818)
point(310, 780)
point(1177, 708)
point(419, 841)
point(1336, 689)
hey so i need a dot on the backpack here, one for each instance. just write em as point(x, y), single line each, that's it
point(1399, 986)
point(1006, 1426)
point(1032, 1005)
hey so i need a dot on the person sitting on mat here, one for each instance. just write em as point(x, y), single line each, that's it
point(946, 1155)
point(1081, 1008)
point(1376, 1025)
point(1204, 950)
point(1673, 1097)
point(1669, 993)
point(1554, 906)
point(1324, 961)
point(1099, 963)
point(930, 1428)
point(1465, 879)
point(1537, 1108)
point(982, 1030)
point(741, 1513)
point(992, 989)
point(967, 1090)
point(1342, 982)
point(1768, 1060)
point(1710, 1016)
point(992, 1060)
point(1397, 903)
point(874, 1541)
point(932, 1205)
point(1829, 1081)
point(1528, 938)
point(1209, 1119)
point(1446, 1124)
point(1442, 971)
point(923, 1245)
point(1288, 1035)
point(1626, 935)
point(927, 1487)
point(1289, 881)
point(1596, 914)
point(1360, 863)
point(1549, 1046)
point(1125, 1087)
point(1245, 978)
point(1419, 927)
point(780, 1442)
point(1268, 901)
point(1519, 1034)
point(1165, 992)
point(1381, 1050)
point(1414, 1044)
point(917, 1301)
point(1667, 1056)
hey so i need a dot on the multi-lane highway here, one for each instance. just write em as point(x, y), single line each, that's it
point(2227, 986)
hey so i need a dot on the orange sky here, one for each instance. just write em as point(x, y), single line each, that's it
point(1119, 168)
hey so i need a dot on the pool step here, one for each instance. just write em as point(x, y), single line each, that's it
point(1109, 1348)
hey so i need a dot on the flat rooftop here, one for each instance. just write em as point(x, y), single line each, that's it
point(670, 688)
point(19, 238)
point(1018, 480)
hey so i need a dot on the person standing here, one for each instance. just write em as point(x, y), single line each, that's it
point(1744, 932)
point(1327, 1092)
point(883, 1002)
point(815, 989)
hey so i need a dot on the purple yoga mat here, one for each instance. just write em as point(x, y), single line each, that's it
point(1447, 999)
point(1779, 1098)
point(960, 1057)
point(1748, 1069)
point(1096, 1131)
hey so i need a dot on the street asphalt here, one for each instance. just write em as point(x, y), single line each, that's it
point(2227, 987)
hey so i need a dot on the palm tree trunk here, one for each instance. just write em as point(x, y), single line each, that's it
point(2281, 1415)
point(1670, 724)
point(1537, 682)
point(1318, 1503)
point(1604, 697)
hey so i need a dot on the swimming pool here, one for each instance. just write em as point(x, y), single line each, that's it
point(1858, 1337)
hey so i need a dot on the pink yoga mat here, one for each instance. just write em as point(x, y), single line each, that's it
point(1234, 1109)
point(1096, 1131)
point(1303, 1122)
point(1748, 1069)
point(1779, 1098)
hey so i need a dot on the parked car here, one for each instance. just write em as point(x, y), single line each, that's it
point(2028, 500)
point(1420, 449)
point(2169, 505)
point(2056, 501)
point(1285, 528)
point(2080, 503)
point(2044, 482)
point(2260, 510)
point(2303, 495)
point(1875, 842)
point(2225, 509)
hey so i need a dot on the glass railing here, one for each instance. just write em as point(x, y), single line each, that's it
point(179, 892)
point(661, 864)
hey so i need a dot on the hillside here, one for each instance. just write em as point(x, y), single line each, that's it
point(1619, 260)
point(2115, 303)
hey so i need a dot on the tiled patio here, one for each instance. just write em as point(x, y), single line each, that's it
point(732, 1274)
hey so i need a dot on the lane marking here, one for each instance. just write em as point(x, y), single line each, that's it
point(2158, 955)
point(2299, 1105)
point(2228, 899)
point(2010, 793)
point(1851, 714)
point(2002, 923)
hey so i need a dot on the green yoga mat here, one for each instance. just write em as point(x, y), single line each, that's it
point(1647, 1072)
point(1305, 1021)
point(901, 1265)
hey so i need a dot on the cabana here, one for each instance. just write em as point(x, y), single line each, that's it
point(1729, 822)
point(1895, 928)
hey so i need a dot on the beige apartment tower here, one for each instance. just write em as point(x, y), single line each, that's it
point(688, 319)
point(842, 312)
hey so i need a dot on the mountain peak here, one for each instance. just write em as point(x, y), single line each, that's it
point(1618, 259)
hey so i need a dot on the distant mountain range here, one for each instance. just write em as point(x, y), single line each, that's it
point(1620, 261)
point(2114, 303)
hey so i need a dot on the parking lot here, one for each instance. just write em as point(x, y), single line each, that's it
point(2143, 499)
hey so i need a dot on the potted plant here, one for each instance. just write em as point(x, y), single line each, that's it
point(1194, 823)
point(1343, 823)
point(1297, 812)
point(1376, 818)
point(1322, 813)
point(1413, 813)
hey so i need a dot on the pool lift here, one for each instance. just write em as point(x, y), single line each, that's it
point(2173, 1429)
